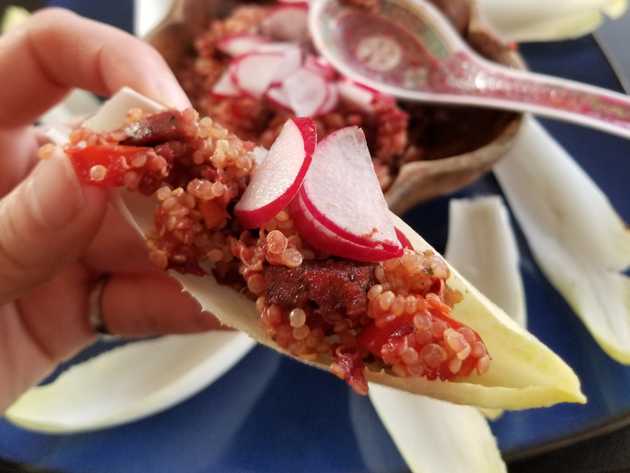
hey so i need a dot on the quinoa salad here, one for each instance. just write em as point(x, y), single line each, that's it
point(360, 302)
point(397, 133)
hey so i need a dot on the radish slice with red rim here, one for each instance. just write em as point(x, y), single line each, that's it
point(277, 95)
point(275, 47)
point(356, 96)
point(279, 176)
point(357, 213)
point(287, 22)
point(225, 86)
point(239, 44)
point(255, 72)
point(404, 241)
point(291, 63)
point(332, 99)
point(320, 66)
point(307, 92)
point(323, 239)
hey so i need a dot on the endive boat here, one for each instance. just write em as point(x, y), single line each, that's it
point(295, 247)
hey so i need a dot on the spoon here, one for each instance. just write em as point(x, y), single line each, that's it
point(408, 49)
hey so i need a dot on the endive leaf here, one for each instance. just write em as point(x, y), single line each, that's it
point(541, 20)
point(77, 104)
point(13, 16)
point(148, 14)
point(482, 246)
point(436, 436)
point(129, 382)
point(577, 238)
point(524, 373)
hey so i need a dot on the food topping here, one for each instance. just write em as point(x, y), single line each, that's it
point(310, 240)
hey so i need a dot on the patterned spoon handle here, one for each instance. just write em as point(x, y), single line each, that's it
point(490, 85)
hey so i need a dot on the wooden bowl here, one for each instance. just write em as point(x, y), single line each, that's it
point(416, 181)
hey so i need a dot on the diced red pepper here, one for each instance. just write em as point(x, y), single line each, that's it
point(213, 213)
point(373, 338)
point(349, 366)
point(393, 334)
point(114, 158)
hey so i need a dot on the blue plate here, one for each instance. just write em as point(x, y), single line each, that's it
point(272, 414)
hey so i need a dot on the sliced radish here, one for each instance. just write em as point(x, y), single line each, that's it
point(307, 92)
point(225, 86)
point(356, 96)
point(404, 241)
point(239, 44)
point(332, 99)
point(341, 191)
point(319, 65)
point(259, 154)
point(253, 73)
point(290, 64)
point(278, 97)
point(279, 177)
point(275, 47)
point(287, 22)
point(323, 239)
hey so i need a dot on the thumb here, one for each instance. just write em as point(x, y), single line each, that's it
point(45, 223)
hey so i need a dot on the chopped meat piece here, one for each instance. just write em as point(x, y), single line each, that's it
point(159, 128)
point(227, 274)
point(333, 286)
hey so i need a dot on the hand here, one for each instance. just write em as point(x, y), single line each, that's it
point(56, 236)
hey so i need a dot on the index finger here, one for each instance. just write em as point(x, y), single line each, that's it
point(56, 51)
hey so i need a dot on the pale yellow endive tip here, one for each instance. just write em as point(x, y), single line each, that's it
point(542, 20)
point(13, 17)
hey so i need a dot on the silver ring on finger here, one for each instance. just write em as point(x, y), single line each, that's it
point(95, 309)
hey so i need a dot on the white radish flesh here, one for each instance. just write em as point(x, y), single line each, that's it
point(287, 22)
point(332, 99)
point(255, 72)
point(278, 97)
point(325, 240)
point(342, 191)
point(240, 44)
point(306, 92)
point(279, 176)
point(356, 96)
point(320, 66)
point(225, 86)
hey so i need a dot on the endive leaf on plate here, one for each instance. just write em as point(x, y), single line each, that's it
point(482, 246)
point(148, 14)
point(77, 104)
point(436, 436)
point(129, 382)
point(542, 20)
point(13, 16)
point(524, 373)
point(577, 238)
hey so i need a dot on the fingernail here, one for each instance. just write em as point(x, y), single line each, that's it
point(54, 193)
